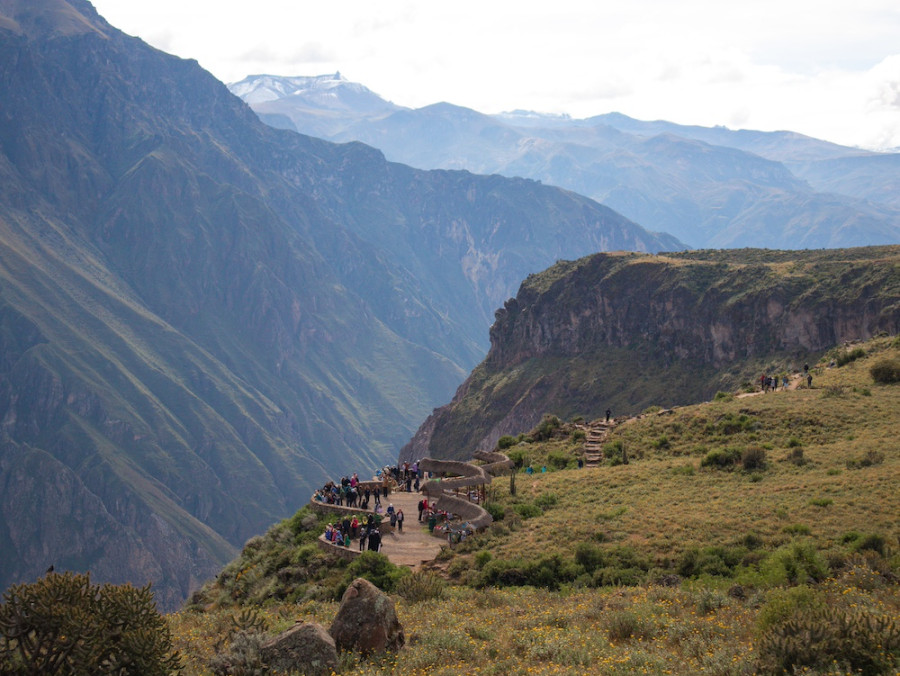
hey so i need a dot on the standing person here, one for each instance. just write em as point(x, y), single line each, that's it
point(784, 382)
point(374, 540)
point(363, 536)
point(608, 414)
point(400, 518)
point(421, 508)
point(809, 381)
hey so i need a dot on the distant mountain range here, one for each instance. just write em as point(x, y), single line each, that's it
point(202, 317)
point(708, 187)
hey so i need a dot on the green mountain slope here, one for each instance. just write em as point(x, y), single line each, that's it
point(202, 317)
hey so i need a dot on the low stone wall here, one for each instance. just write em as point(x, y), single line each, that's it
point(340, 511)
point(497, 463)
point(348, 553)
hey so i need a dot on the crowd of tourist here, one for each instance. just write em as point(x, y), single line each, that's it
point(364, 529)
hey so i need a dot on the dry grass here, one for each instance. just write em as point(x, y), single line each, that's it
point(659, 506)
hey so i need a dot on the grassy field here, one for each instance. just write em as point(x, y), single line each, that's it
point(735, 526)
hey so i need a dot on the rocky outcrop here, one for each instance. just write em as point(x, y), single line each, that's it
point(625, 331)
point(366, 621)
point(306, 648)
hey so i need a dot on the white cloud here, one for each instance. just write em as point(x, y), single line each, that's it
point(824, 68)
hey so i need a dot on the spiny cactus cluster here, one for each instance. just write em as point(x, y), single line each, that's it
point(856, 641)
point(62, 624)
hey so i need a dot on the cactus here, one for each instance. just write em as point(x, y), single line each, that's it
point(64, 624)
point(857, 641)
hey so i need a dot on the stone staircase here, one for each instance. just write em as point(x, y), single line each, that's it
point(596, 433)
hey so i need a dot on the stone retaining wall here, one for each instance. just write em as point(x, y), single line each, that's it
point(339, 511)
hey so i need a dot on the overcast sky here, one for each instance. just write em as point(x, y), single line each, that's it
point(829, 69)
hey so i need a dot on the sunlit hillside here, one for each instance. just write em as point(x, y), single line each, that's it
point(734, 525)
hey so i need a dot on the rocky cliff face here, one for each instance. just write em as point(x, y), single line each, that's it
point(627, 330)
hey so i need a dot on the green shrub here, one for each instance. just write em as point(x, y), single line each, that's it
point(481, 558)
point(794, 442)
point(496, 510)
point(579, 435)
point(662, 442)
point(721, 458)
point(506, 441)
point(546, 500)
point(845, 358)
point(871, 542)
point(518, 457)
point(421, 585)
point(886, 371)
point(376, 568)
point(821, 502)
point(796, 529)
point(528, 510)
point(784, 603)
point(723, 396)
point(796, 457)
point(589, 556)
point(614, 452)
point(65, 624)
point(796, 563)
point(546, 428)
point(870, 459)
point(241, 657)
point(713, 560)
point(753, 457)
point(560, 460)
point(622, 625)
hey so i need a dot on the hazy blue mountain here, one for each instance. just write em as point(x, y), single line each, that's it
point(203, 317)
point(709, 187)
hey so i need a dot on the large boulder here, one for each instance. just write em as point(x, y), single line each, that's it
point(367, 620)
point(305, 648)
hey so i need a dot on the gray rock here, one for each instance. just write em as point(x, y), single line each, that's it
point(305, 648)
point(367, 620)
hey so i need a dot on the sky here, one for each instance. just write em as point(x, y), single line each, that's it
point(828, 69)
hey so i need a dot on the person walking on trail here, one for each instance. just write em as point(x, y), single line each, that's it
point(421, 508)
point(608, 414)
point(809, 381)
point(400, 520)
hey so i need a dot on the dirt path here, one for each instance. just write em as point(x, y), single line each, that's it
point(794, 383)
point(415, 545)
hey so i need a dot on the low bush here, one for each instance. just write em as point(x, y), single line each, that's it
point(506, 441)
point(377, 569)
point(796, 563)
point(715, 560)
point(721, 458)
point(845, 358)
point(614, 452)
point(871, 458)
point(528, 510)
point(421, 585)
point(560, 460)
point(753, 457)
point(886, 371)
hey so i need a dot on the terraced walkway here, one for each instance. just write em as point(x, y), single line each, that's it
point(415, 545)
